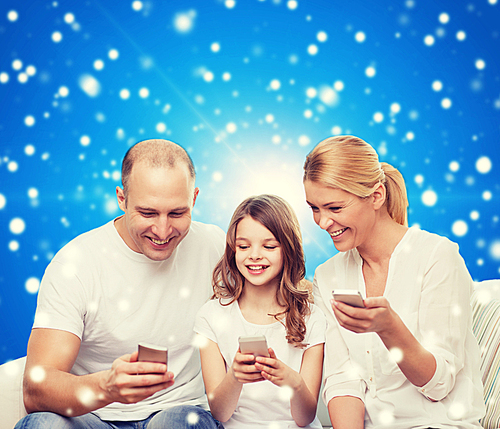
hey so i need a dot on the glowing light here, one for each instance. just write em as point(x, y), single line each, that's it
point(86, 396)
point(12, 166)
point(285, 393)
point(378, 117)
point(137, 5)
point(454, 166)
point(217, 176)
point(37, 374)
point(328, 96)
point(338, 85)
point(312, 49)
point(226, 76)
point(144, 93)
point(124, 94)
point(444, 18)
point(3, 201)
point(33, 193)
point(437, 85)
point(56, 36)
point(4, 77)
point(459, 228)
point(480, 64)
point(483, 165)
point(22, 77)
point(208, 76)
point(90, 85)
point(13, 246)
point(308, 113)
point(230, 4)
point(322, 36)
point(31, 70)
point(360, 37)
point(215, 47)
point(304, 140)
point(84, 140)
point(474, 215)
point(69, 18)
point(429, 198)
point(396, 354)
point(275, 84)
point(429, 40)
point(231, 127)
point(336, 130)
point(29, 121)
point(161, 127)
point(12, 15)
point(276, 139)
point(311, 92)
point(370, 71)
point(113, 54)
point(98, 64)
point(269, 118)
point(410, 135)
point(192, 418)
point(446, 103)
point(461, 36)
point(395, 108)
point(63, 91)
point(495, 250)
point(32, 285)
point(184, 21)
point(292, 4)
point(17, 64)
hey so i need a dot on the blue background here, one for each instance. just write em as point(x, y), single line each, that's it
point(248, 87)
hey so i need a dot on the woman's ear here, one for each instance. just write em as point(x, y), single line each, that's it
point(379, 196)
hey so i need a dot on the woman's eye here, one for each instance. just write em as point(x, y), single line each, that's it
point(335, 209)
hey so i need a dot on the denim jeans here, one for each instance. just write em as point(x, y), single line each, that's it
point(180, 417)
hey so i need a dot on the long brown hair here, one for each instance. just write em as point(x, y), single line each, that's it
point(279, 218)
point(350, 164)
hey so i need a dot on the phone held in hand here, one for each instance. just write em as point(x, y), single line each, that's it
point(254, 345)
point(152, 353)
point(349, 296)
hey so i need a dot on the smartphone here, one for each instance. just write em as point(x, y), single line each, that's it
point(254, 345)
point(152, 353)
point(348, 296)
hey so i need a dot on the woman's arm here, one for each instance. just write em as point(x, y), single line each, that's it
point(304, 385)
point(415, 362)
point(224, 388)
point(347, 412)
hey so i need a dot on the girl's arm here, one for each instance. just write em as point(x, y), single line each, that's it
point(224, 388)
point(304, 385)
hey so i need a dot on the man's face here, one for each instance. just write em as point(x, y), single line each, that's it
point(157, 209)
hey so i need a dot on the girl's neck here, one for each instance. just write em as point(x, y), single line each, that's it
point(258, 302)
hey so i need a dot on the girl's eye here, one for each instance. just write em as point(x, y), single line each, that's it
point(270, 247)
point(242, 247)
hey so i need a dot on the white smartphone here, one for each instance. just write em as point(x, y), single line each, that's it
point(152, 353)
point(254, 345)
point(348, 296)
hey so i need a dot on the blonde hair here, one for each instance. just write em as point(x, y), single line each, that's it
point(279, 218)
point(350, 164)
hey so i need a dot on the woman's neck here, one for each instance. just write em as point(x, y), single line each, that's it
point(384, 237)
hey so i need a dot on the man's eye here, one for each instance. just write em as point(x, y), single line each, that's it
point(147, 214)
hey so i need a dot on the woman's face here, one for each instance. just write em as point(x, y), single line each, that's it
point(347, 218)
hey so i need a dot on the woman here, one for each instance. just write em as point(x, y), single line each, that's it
point(409, 358)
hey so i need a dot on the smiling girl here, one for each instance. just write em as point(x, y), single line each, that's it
point(256, 293)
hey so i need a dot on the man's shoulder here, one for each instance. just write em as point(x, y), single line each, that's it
point(205, 231)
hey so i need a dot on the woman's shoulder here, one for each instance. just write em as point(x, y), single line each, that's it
point(427, 242)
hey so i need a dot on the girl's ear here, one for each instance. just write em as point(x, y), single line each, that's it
point(379, 196)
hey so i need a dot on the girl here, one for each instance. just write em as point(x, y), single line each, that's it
point(408, 358)
point(255, 293)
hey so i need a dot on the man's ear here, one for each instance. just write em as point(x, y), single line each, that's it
point(120, 196)
point(379, 196)
point(196, 191)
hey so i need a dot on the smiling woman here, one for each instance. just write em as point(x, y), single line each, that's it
point(402, 370)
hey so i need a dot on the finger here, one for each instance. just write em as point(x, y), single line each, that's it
point(134, 356)
point(148, 368)
point(244, 359)
point(272, 354)
point(266, 369)
point(376, 301)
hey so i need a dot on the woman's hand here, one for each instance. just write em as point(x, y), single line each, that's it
point(377, 316)
point(244, 369)
point(277, 372)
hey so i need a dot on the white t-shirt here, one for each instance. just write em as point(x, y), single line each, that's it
point(261, 404)
point(429, 287)
point(112, 298)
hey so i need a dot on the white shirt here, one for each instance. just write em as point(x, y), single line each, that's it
point(260, 404)
point(112, 298)
point(429, 287)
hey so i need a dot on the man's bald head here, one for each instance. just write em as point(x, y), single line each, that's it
point(155, 153)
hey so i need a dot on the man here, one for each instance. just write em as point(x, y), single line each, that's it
point(139, 278)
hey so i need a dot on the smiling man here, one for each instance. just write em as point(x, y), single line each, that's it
point(139, 278)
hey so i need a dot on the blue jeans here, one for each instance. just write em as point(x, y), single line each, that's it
point(180, 417)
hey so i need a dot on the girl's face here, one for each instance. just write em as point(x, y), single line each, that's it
point(258, 253)
point(348, 218)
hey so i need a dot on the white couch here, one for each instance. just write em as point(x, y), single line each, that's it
point(486, 326)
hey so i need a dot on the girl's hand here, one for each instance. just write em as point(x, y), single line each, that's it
point(277, 372)
point(244, 370)
point(377, 316)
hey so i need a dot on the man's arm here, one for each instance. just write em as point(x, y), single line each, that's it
point(48, 385)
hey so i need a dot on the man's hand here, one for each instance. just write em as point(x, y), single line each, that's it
point(129, 381)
